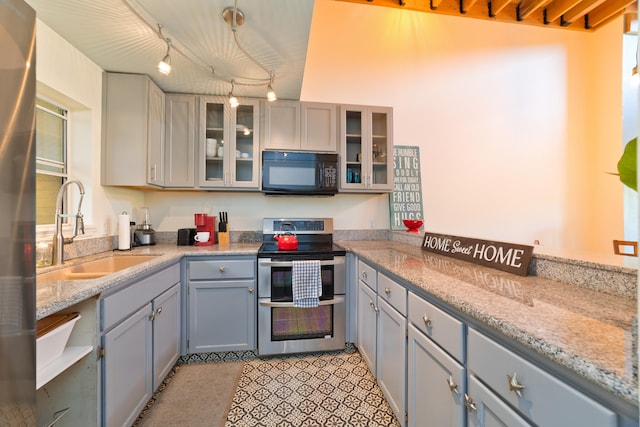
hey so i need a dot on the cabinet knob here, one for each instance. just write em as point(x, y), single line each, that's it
point(371, 303)
point(364, 274)
point(222, 269)
point(469, 403)
point(376, 309)
point(452, 385)
point(152, 316)
point(514, 385)
point(426, 320)
point(158, 311)
point(387, 291)
point(250, 290)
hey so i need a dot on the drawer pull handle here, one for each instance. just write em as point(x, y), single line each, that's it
point(387, 291)
point(426, 320)
point(250, 290)
point(222, 269)
point(514, 385)
point(452, 385)
point(469, 403)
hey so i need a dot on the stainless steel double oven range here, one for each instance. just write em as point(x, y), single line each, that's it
point(283, 328)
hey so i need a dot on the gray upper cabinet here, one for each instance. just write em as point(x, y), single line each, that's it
point(366, 149)
point(133, 131)
point(281, 125)
point(305, 126)
point(229, 144)
point(319, 126)
point(180, 141)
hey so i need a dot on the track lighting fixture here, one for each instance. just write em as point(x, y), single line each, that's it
point(235, 18)
point(233, 101)
point(164, 66)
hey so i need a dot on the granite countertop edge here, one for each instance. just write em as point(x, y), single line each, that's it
point(57, 295)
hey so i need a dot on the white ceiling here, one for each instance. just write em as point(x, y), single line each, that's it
point(275, 33)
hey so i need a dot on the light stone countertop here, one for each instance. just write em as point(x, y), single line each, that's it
point(54, 296)
point(586, 331)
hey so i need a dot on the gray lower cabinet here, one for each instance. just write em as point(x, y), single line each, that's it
point(435, 384)
point(487, 410)
point(367, 325)
point(141, 342)
point(381, 334)
point(392, 357)
point(222, 303)
point(540, 397)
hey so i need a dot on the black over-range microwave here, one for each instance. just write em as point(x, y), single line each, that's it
point(299, 173)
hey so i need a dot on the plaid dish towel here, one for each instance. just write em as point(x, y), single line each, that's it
point(307, 283)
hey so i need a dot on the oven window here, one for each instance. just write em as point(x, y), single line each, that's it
point(293, 323)
point(281, 290)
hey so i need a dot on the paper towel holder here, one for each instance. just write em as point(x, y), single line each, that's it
point(124, 232)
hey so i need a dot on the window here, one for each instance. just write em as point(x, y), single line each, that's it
point(51, 158)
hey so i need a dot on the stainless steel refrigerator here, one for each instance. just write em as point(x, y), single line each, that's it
point(17, 214)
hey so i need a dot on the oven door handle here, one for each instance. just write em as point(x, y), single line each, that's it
point(334, 301)
point(263, 263)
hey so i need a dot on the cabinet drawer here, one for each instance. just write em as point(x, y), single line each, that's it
point(368, 275)
point(119, 305)
point(445, 330)
point(545, 400)
point(215, 269)
point(393, 293)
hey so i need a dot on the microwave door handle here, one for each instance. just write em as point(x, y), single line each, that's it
point(334, 301)
point(264, 263)
point(320, 180)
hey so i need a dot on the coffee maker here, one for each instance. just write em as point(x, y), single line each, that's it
point(206, 222)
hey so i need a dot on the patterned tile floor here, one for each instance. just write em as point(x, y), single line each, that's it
point(319, 389)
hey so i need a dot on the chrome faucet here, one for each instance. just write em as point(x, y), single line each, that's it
point(78, 223)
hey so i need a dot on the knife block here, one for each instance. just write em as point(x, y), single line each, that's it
point(223, 238)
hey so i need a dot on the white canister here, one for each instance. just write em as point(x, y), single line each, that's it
point(212, 147)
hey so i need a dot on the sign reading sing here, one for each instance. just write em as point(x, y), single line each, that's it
point(507, 257)
point(405, 202)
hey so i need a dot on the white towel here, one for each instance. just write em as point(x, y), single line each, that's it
point(307, 283)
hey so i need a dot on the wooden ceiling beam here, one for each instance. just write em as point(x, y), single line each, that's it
point(564, 14)
point(606, 11)
point(466, 5)
point(559, 7)
point(580, 10)
point(497, 6)
point(527, 7)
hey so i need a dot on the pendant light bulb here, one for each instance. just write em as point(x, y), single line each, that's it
point(164, 66)
point(233, 101)
point(271, 94)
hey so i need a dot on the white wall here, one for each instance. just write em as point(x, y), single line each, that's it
point(517, 125)
point(69, 78)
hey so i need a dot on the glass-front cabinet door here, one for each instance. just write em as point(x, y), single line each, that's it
point(229, 146)
point(366, 148)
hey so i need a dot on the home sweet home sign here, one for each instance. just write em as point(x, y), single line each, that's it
point(507, 257)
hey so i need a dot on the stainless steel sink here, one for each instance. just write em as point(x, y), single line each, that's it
point(94, 269)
